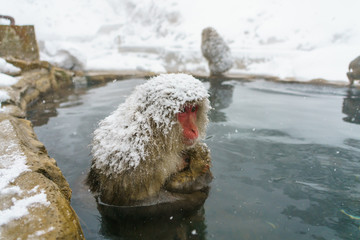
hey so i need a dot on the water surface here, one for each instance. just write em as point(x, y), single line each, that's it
point(285, 160)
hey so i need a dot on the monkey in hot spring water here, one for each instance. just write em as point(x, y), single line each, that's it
point(151, 143)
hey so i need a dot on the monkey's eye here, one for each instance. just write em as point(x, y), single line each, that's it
point(193, 109)
point(182, 110)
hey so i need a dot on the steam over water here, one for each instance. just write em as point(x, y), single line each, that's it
point(285, 161)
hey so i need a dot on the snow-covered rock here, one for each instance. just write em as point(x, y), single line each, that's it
point(34, 195)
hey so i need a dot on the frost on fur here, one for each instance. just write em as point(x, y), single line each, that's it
point(122, 140)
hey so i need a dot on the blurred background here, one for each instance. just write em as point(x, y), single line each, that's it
point(289, 39)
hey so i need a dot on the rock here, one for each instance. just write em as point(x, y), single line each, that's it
point(18, 42)
point(216, 52)
point(34, 83)
point(34, 195)
point(61, 77)
point(14, 95)
point(42, 74)
point(25, 65)
point(30, 95)
point(13, 110)
point(43, 84)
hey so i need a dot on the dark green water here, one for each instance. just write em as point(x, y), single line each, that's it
point(286, 161)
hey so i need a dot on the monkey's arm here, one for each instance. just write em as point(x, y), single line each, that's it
point(197, 176)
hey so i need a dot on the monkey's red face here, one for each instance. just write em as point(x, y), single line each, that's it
point(187, 120)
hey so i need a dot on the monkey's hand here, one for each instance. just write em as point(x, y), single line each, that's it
point(206, 168)
point(184, 182)
point(200, 161)
point(184, 164)
point(197, 176)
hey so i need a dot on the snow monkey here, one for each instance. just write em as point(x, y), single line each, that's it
point(216, 52)
point(151, 143)
point(354, 70)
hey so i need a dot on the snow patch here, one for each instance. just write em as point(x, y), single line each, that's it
point(6, 80)
point(13, 161)
point(20, 207)
point(40, 232)
point(6, 67)
point(4, 96)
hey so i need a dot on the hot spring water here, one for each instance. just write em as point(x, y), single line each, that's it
point(285, 161)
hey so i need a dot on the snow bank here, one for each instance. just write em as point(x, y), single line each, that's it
point(303, 39)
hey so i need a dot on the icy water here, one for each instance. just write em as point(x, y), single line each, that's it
point(286, 161)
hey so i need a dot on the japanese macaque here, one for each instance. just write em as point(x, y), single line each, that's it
point(216, 52)
point(354, 70)
point(150, 146)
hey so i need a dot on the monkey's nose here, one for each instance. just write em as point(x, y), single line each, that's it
point(195, 132)
point(191, 134)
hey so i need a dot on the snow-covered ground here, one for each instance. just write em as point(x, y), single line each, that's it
point(287, 38)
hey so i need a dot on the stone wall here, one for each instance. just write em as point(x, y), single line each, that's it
point(19, 42)
point(34, 195)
